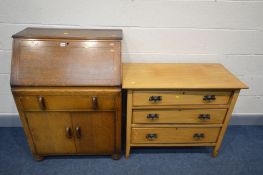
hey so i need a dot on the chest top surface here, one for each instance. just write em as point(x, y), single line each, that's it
point(178, 76)
point(82, 34)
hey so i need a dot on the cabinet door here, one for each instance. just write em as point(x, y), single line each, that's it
point(52, 132)
point(94, 132)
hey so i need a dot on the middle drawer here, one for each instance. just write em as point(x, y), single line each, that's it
point(180, 116)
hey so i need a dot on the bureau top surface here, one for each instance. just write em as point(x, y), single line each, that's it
point(178, 76)
point(78, 34)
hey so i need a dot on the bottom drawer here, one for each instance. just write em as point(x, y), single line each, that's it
point(174, 135)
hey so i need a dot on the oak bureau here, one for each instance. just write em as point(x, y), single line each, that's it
point(178, 104)
point(67, 87)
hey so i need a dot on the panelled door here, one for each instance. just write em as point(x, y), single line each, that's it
point(94, 131)
point(52, 132)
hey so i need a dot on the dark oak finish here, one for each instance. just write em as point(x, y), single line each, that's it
point(94, 130)
point(55, 33)
point(65, 63)
point(66, 85)
point(67, 126)
point(67, 102)
point(49, 132)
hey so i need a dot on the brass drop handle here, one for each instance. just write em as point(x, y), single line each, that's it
point(204, 117)
point(42, 103)
point(68, 132)
point(78, 132)
point(199, 136)
point(209, 98)
point(151, 136)
point(155, 98)
point(152, 116)
point(94, 103)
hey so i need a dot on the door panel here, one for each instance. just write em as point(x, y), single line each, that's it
point(94, 132)
point(52, 132)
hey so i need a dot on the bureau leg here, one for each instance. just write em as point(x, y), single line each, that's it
point(116, 156)
point(38, 157)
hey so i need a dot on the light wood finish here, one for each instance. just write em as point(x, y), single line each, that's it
point(171, 144)
point(128, 123)
point(177, 94)
point(194, 116)
point(178, 76)
point(162, 125)
point(66, 85)
point(183, 107)
point(225, 123)
point(174, 135)
point(48, 130)
point(141, 98)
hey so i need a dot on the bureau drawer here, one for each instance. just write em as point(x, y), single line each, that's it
point(174, 135)
point(193, 116)
point(36, 103)
point(159, 98)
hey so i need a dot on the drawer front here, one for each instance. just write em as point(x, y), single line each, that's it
point(193, 116)
point(174, 135)
point(37, 103)
point(162, 98)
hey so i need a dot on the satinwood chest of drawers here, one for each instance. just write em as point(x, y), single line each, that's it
point(178, 104)
point(67, 87)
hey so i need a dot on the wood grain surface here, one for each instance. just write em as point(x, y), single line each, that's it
point(178, 76)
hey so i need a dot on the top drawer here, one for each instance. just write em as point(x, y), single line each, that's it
point(67, 102)
point(65, 63)
point(162, 98)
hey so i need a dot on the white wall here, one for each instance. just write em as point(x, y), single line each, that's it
point(225, 31)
